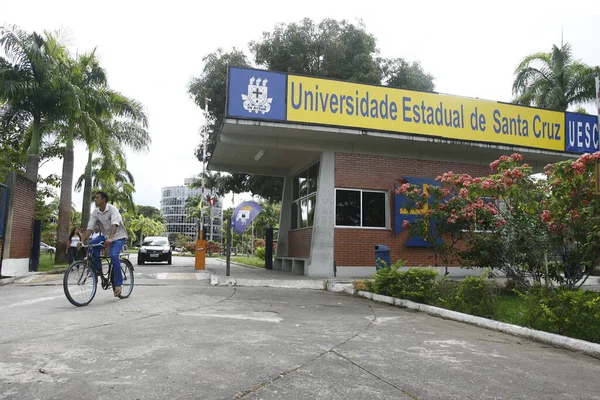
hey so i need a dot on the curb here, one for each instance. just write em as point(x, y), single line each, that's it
point(582, 346)
point(215, 280)
point(14, 279)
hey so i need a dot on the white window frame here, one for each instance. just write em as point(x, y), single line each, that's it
point(387, 210)
point(297, 203)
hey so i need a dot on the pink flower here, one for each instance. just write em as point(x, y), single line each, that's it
point(463, 193)
point(579, 167)
point(404, 188)
point(500, 222)
point(494, 165)
point(488, 184)
point(405, 224)
point(517, 157)
point(451, 220)
point(546, 216)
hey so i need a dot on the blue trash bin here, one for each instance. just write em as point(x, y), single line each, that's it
point(382, 257)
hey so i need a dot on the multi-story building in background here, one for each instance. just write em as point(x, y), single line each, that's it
point(173, 208)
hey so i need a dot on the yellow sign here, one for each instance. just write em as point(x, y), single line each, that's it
point(328, 102)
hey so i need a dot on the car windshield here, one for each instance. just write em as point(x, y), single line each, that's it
point(155, 242)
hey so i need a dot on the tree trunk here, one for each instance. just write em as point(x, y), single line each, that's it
point(64, 208)
point(33, 158)
point(87, 192)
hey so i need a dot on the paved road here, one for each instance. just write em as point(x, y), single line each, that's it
point(183, 339)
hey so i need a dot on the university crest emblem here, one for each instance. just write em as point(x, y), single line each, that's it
point(257, 99)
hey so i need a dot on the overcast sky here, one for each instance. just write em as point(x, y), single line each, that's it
point(151, 51)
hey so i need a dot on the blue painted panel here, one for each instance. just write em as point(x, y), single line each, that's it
point(582, 133)
point(256, 94)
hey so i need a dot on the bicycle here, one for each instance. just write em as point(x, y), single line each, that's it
point(81, 278)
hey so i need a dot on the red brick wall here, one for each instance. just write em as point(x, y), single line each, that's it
point(355, 247)
point(23, 208)
point(299, 243)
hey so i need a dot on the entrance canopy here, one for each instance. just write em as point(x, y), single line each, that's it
point(277, 123)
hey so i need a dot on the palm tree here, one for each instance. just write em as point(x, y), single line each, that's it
point(269, 216)
point(554, 80)
point(109, 174)
point(86, 75)
point(110, 136)
point(31, 82)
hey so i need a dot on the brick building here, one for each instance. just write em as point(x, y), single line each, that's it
point(342, 148)
point(19, 225)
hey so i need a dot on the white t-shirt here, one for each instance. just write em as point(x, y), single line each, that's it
point(75, 240)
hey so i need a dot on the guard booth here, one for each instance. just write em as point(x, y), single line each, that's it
point(343, 147)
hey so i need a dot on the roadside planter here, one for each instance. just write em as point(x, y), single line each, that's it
point(589, 348)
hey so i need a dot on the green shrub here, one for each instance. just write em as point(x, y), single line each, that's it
point(573, 313)
point(260, 253)
point(474, 295)
point(416, 284)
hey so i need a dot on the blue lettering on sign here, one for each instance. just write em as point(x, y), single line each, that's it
point(582, 133)
point(256, 94)
point(401, 213)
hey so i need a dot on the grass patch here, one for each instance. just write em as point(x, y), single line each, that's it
point(509, 308)
point(47, 263)
point(254, 261)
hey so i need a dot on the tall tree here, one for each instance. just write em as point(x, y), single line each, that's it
point(151, 212)
point(31, 83)
point(111, 136)
point(110, 175)
point(88, 78)
point(332, 49)
point(554, 80)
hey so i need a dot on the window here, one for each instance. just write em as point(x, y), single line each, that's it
point(361, 208)
point(304, 197)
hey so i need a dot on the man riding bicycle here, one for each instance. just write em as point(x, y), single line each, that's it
point(109, 220)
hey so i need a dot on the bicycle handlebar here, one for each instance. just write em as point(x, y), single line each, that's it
point(101, 244)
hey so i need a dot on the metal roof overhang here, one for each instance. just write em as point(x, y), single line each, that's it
point(288, 147)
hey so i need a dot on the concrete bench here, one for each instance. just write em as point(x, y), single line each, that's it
point(295, 265)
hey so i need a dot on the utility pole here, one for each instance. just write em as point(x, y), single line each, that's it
point(206, 101)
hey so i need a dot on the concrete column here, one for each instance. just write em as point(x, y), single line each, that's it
point(320, 263)
point(285, 218)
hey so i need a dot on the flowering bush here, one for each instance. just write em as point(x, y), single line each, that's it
point(213, 247)
point(531, 229)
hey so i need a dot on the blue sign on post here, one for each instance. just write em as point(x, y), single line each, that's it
point(402, 214)
point(582, 133)
point(256, 94)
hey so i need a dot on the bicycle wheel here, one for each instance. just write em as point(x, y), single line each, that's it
point(80, 283)
point(128, 280)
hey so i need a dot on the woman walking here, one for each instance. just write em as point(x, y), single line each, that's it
point(74, 239)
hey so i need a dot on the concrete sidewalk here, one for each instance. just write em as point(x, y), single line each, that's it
point(241, 275)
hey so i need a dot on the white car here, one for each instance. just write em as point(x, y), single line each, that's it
point(44, 248)
point(155, 249)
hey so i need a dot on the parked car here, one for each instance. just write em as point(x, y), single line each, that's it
point(44, 248)
point(155, 249)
